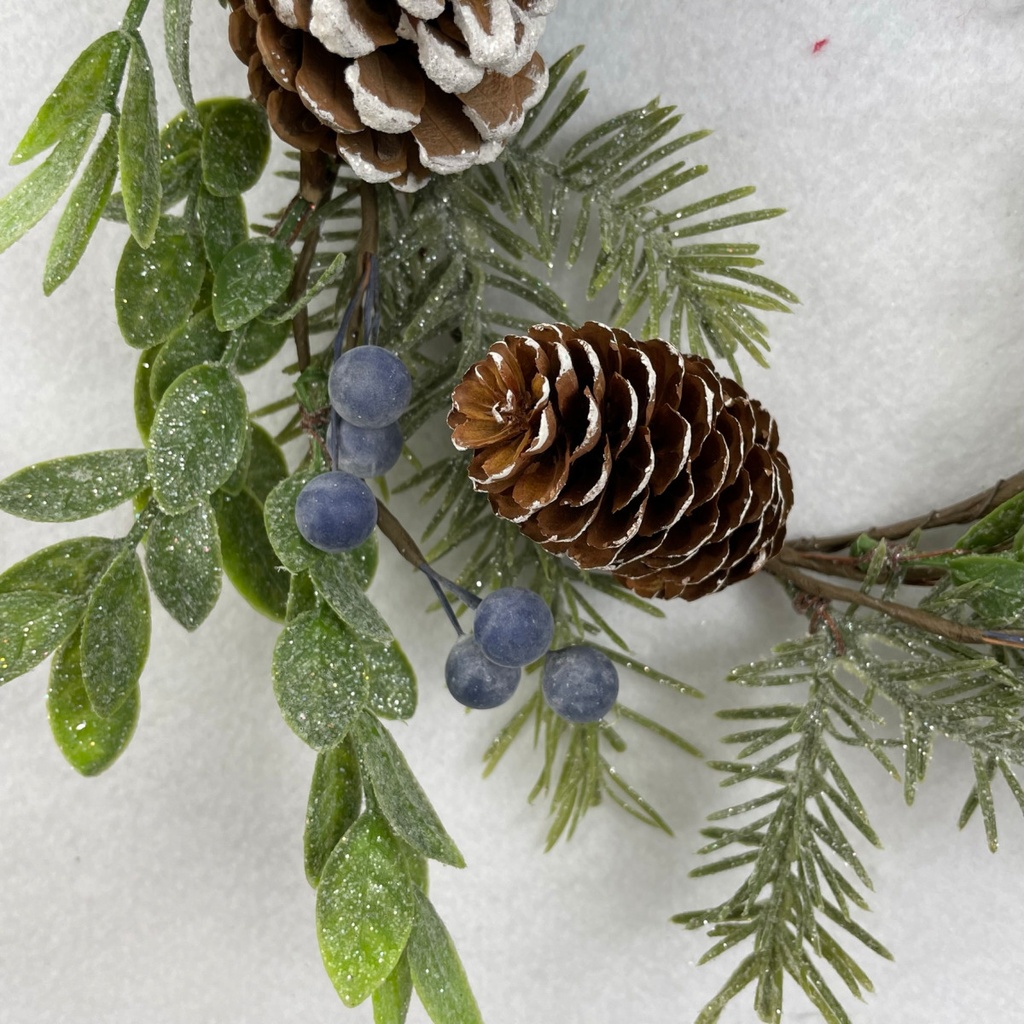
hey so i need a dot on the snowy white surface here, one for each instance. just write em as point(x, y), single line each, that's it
point(170, 890)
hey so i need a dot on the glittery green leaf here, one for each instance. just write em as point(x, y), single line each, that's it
point(279, 511)
point(392, 680)
point(338, 584)
point(399, 796)
point(267, 466)
point(90, 84)
point(198, 436)
point(32, 625)
point(437, 971)
point(249, 560)
point(183, 563)
point(223, 222)
point(89, 743)
point(145, 407)
point(156, 288)
point(248, 280)
point(68, 569)
point(115, 634)
point(259, 343)
point(177, 23)
point(997, 528)
point(319, 678)
point(335, 798)
point(999, 599)
point(198, 341)
point(391, 1000)
point(138, 144)
point(236, 144)
point(75, 487)
point(364, 909)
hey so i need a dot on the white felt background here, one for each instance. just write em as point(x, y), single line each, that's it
point(171, 888)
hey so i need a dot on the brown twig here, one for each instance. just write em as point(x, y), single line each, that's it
point(851, 568)
point(395, 532)
point(965, 511)
point(902, 613)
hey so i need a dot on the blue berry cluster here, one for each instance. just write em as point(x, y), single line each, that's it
point(514, 627)
point(369, 389)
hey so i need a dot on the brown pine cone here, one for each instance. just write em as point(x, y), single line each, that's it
point(398, 88)
point(626, 456)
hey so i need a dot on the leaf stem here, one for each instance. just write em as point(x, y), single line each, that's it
point(965, 511)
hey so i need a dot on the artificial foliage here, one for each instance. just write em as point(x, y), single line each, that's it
point(905, 640)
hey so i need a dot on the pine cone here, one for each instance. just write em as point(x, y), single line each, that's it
point(625, 456)
point(398, 88)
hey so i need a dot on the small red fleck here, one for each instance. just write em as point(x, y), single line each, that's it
point(819, 45)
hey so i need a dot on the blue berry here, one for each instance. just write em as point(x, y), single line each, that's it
point(335, 512)
point(476, 681)
point(580, 683)
point(364, 451)
point(513, 626)
point(369, 386)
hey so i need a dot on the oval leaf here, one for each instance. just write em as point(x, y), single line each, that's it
point(198, 436)
point(177, 25)
point(145, 407)
point(183, 563)
point(75, 487)
point(335, 797)
point(32, 625)
point(259, 343)
point(399, 796)
point(249, 279)
point(90, 84)
point(156, 288)
point(319, 678)
point(437, 971)
point(138, 146)
point(82, 213)
point(33, 197)
point(223, 222)
point(364, 910)
point(336, 582)
point(198, 341)
point(115, 634)
point(236, 144)
point(89, 743)
point(997, 528)
point(249, 560)
point(391, 1000)
point(279, 512)
point(267, 466)
point(999, 600)
point(70, 568)
point(393, 681)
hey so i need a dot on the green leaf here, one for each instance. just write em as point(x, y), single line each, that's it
point(69, 569)
point(89, 743)
point(335, 798)
point(32, 625)
point(391, 1000)
point(198, 341)
point(145, 407)
point(259, 343)
point(82, 213)
point(393, 681)
point(249, 560)
point(223, 222)
point(296, 554)
point(177, 24)
point(32, 198)
point(236, 144)
point(75, 487)
point(364, 910)
point(115, 634)
point(319, 678)
point(267, 466)
point(997, 528)
point(183, 563)
point(249, 279)
point(198, 436)
point(278, 316)
point(90, 85)
point(156, 288)
point(236, 482)
point(138, 145)
point(399, 796)
point(337, 583)
point(437, 971)
point(1000, 600)
point(301, 597)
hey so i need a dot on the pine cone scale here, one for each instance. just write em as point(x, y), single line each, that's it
point(651, 466)
point(398, 88)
